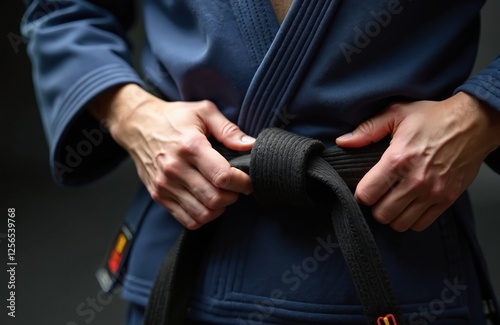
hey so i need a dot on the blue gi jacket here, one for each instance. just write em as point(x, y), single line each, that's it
point(270, 266)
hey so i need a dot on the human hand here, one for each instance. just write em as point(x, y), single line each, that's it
point(435, 153)
point(174, 159)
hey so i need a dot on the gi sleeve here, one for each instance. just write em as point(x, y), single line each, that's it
point(485, 86)
point(78, 49)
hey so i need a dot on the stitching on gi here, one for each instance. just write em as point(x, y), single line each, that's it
point(244, 29)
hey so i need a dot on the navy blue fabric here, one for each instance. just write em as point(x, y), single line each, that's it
point(269, 266)
point(135, 314)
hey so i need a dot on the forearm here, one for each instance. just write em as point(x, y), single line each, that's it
point(78, 49)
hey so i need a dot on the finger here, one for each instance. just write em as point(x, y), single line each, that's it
point(186, 208)
point(413, 212)
point(392, 205)
point(194, 208)
point(239, 182)
point(429, 217)
point(226, 132)
point(211, 197)
point(180, 214)
point(214, 198)
point(371, 130)
point(215, 168)
point(225, 177)
point(174, 174)
point(376, 182)
point(163, 197)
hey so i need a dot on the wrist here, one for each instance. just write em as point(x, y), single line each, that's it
point(488, 118)
point(114, 105)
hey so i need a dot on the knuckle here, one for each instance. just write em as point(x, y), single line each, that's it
point(160, 183)
point(418, 181)
point(228, 128)
point(367, 127)
point(206, 106)
point(398, 110)
point(397, 165)
point(437, 191)
point(214, 201)
point(219, 200)
point(395, 107)
point(402, 164)
point(204, 216)
point(171, 168)
point(155, 195)
point(191, 144)
point(221, 177)
point(364, 198)
point(381, 216)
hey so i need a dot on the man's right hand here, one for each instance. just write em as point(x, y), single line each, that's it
point(174, 159)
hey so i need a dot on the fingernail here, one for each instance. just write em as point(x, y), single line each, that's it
point(346, 136)
point(247, 139)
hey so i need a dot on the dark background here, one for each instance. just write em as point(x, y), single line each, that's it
point(62, 234)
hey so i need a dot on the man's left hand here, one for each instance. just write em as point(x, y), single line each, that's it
point(436, 151)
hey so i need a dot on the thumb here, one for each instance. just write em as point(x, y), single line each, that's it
point(371, 130)
point(226, 132)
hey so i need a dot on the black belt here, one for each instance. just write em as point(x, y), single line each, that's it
point(286, 168)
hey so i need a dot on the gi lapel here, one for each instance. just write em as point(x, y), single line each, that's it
point(258, 26)
point(283, 66)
